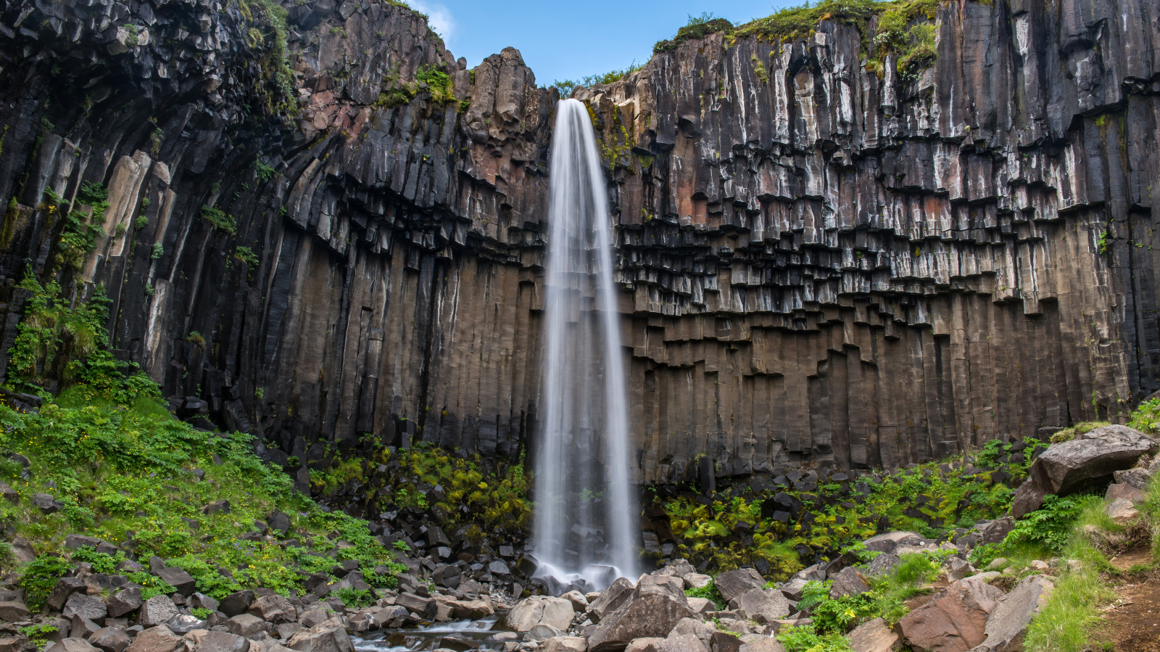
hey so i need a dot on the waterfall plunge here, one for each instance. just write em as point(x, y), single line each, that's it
point(582, 468)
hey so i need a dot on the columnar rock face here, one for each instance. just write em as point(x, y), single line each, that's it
point(816, 264)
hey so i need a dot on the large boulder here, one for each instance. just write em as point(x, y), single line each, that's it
point(89, 607)
point(246, 626)
point(74, 644)
point(540, 610)
point(734, 584)
point(13, 611)
point(610, 599)
point(65, 587)
point(763, 644)
point(274, 609)
point(178, 579)
point(124, 602)
point(762, 605)
point(1069, 466)
point(565, 644)
point(111, 639)
point(325, 637)
point(1014, 612)
point(888, 541)
point(236, 604)
point(1028, 498)
point(849, 582)
point(954, 620)
point(158, 639)
point(653, 610)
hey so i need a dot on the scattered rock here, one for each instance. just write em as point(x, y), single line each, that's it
point(1122, 510)
point(1067, 467)
point(82, 627)
point(124, 602)
point(86, 606)
point(78, 541)
point(216, 507)
point(874, 636)
point(156, 610)
point(178, 579)
point(13, 611)
point(111, 639)
point(236, 604)
point(158, 639)
point(246, 626)
point(8, 493)
point(74, 645)
point(1137, 477)
point(1014, 612)
point(880, 565)
point(954, 619)
point(1125, 491)
point(65, 587)
point(1028, 498)
point(274, 609)
point(611, 599)
point(222, 642)
point(764, 605)
point(185, 623)
point(734, 584)
point(324, 637)
point(565, 644)
point(46, 503)
point(540, 610)
point(763, 644)
point(889, 541)
point(701, 605)
point(579, 602)
point(997, 530)
point(848, 582)
point(697, 581)
point(957, 569)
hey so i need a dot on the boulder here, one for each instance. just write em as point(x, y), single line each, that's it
point(217, 507)
point(1028, 498)
point(763, 644)
point(1069, 466)
point(274, 609)
point(651, 644)
point(873, 636)
point(579, 602)
point(286, 630)
point(222, 642)
point(1122, 510)
point(890, 540)
point(883, 564)
point(86, 606)
point(73, 644)
point(325, 637)
point(65, 587)
point(156, 610)
point(1125, 491)
point(540, 610)
point(763, 605)
point(78, 541)
point(471, 609)
point(958, 568)
point(793, 588)
point(178, 579)
point(683, 643)
point(653, 610)
point(278, 522)
point(423, 607)
point(997, 530)
point(848, 582)
point(610, 599)
point(723, 642)
point(1014, 612)
point(246, 625)
point(316, 616)
point(124, 602)
point(734, 584)
point(700, 629)
point(1138, 478)
point(954, 620)
point(13, 611)
point(46, 503)
point(185, 623)
point(82, 627)
point(236, 604)
point(702, 605)
point(158, 639)
point(565, 644)
point(110, 639)
point(697, 581)
point(541, 632)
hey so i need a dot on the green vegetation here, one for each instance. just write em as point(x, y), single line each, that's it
point(438, 83)
point(264, 172)
point(904, 28)
point(927, 499)
point(806, 639)
point(247, 256)
point(220, 220)
point(267, 34)
point(709, 592)
point(39, 634)
point(567, 86)
point(80, 231)
point(129, 473)
point(397, 92)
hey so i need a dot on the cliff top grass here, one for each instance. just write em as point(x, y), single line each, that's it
point(903, 28)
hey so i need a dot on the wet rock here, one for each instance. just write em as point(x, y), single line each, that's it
point(1066, 467)
point(873, 636)
point(540, 610)
point(954, 619)
point(579, 602)
point(653, 610)
point(158, 639)
point(424, 607)
point(734, 584)
point(1014, 612)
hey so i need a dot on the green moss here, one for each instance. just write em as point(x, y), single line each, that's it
point(267, 35)
point(219, 219)
point(698, 27)
point(568, 85)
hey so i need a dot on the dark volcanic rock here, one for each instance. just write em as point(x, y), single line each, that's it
point(1069, 466)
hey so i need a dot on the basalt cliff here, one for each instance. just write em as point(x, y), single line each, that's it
point(321, 226)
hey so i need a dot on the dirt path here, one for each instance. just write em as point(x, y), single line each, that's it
point(1132, 624)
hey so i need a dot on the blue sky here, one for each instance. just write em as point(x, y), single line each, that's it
point(568, 40)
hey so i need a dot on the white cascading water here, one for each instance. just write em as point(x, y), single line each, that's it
point(586, 512)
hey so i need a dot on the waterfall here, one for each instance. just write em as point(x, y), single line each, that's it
point(586, 518)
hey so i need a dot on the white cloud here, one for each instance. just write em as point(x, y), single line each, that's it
point(439, 18)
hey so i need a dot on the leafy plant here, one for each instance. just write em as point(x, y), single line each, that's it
point(566, 86)
point(805, 639)
point(264, 172)
point(151, 585)
point(354, 598)
point(40, 577)
point(247, 256)
point(708, 592)
point(220, 220)
point(39, 633)
point(101, 562)
point(201, 612)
